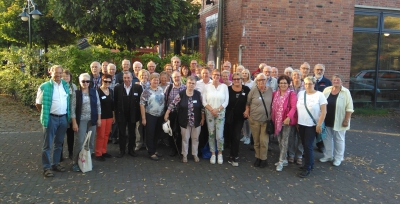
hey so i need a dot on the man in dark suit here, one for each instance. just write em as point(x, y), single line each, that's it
point(320, 85)
point(95, 75)
point(127, 112)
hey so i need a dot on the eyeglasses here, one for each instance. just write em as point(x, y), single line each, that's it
point(236, 79)
point(85, 81)
point(319, 69)
point(107, 82)
point(261, 79)
point(308, 84)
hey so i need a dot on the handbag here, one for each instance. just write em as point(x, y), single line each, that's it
point(321, 135)
point(85, 159)
point(205, 151)
point(229, 113)
point(270, 125)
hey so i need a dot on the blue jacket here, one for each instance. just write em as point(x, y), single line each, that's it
point(322, 84)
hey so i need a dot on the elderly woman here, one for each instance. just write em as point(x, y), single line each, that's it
point(185, 73)
point(240, 68)
point(295, 147)
point(337, 120)
point(190, 116)
point(288, 71)
point(225, 77)
point(311, 108)
point(211, 65)
point(85, 115)
point(284, 116)
point(247, 78)
point(106, 96)
point(144, 82)
point(67, 76)
point(215, 99)
point(236, 107)
point(164, 79)
point(258, 110)
point(152, 109)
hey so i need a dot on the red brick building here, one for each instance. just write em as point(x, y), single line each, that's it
point(345, 35)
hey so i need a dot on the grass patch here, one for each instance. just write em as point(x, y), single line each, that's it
point(372, 111)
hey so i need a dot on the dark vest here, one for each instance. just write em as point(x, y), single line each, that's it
point(183, 108)
point(93, 106)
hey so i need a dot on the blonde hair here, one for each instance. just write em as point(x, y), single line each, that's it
point(154, 75)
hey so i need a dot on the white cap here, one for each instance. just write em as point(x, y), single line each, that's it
point(167, 128)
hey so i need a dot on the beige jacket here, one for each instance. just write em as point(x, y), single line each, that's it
point(344, 104)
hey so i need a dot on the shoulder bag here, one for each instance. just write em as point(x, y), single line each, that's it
point(321, 135)
point(270, 125)
point(85, 159)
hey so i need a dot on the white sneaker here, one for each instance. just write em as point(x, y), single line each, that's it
point(337, 163)
point(243, 139)
point(220, 159)
point(279, 167)
point(212, 159)
point(325, 159)
point(284, 163)
point(246, 141)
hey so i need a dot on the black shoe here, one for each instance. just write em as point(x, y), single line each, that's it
point(61, 159)
point(70, 156)
point(263, 163)
point(93, 155)
point(132, 153)
point(106, 155)
point(100, 158)
point(302, 168)
point(158, 154)
point(154, 157)
point(257, 162)
point(121, 154)
point(173, 153)
point(115, 141)
point(304, 174)
point(321, 149)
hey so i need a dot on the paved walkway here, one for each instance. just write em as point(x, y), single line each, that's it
point(369, 174)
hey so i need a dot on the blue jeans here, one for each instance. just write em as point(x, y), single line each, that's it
point(54, 133)
point(307, 135)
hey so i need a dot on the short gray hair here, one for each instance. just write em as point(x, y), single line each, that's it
point(296, 71)
point(288, 69)
point(320, 65)
point(84, 75)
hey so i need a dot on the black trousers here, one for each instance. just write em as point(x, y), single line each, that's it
point(131, 137)
point(234, 131)
point(70, 141)
point(176, 134)
point(153, 127)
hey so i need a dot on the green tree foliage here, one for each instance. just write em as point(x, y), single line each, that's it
point(45, 31)
point(125, 23)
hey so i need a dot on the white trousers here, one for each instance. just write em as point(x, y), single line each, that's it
point(334, 144)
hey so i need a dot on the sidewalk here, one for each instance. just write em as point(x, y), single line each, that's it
point(369, 174)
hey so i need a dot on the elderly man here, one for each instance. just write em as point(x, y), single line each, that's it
point(95, 75)
point(258, 70)
point(137, 66)
point(127, 112)
point(126, 65)
point(322, 82)
point(52, 102)
point(304, 69)
point(176, 63)
point(104, 67)
point(170, 92)
point(274, 72)
point(226, 66)
point(271, 81)
point(288, 71)
point(151, 67)
point(193, 66)
point(211, 65)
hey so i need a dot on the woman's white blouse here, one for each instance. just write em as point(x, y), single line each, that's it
point(215, 97)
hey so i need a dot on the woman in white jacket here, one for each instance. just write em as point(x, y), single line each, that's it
point(337, 120)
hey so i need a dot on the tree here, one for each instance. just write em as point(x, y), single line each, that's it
point(45, 31)
point(125, 23)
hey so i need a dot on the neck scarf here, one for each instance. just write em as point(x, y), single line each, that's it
point(279, 110)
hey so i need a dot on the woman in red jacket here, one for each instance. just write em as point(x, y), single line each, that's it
point(284, 117)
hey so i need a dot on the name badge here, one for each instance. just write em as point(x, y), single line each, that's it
point(194, 101)
point(135, 94)
point(103, 97)
point(243, 94)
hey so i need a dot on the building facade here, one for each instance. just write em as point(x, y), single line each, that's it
point(354, 38)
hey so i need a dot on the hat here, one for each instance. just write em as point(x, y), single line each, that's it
point(167, 128)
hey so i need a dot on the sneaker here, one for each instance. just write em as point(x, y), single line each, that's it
point(220, 159)
point(325, 159)
point(212, 159)
point(243, 139)
point(233, 161)
point(284, 163)
point(336, 163)
point(58, 168)
point(246, 141)
point(137, 148)
point(76, 168)
point(279, 167)
point(304, 174)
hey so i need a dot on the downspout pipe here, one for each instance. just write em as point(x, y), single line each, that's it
point(241, 48)
point(219, 47)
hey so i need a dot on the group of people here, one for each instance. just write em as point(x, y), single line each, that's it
point(218, 108)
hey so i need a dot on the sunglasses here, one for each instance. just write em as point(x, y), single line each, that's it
point(107, 82)
point(237, 79)
point(85, 81)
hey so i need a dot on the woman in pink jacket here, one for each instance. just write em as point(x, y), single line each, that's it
point(284, 117)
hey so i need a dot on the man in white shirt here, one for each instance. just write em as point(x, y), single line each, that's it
point(176, 63)
point(52, 102)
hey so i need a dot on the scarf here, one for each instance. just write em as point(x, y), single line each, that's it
point(279, 112)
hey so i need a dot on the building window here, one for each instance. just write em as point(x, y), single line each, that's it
point(375, 69)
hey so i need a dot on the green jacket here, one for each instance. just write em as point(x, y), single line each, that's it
point(47, 88)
